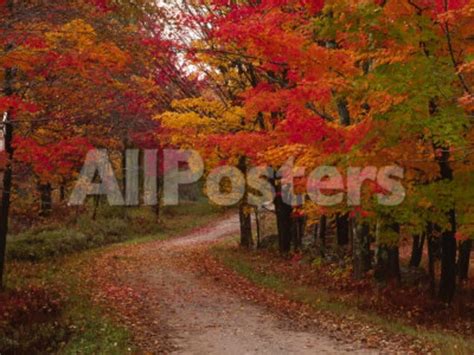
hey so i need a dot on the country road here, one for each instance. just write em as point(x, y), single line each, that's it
point(186, 313)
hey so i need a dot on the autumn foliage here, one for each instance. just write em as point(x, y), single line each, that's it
point(342, 83)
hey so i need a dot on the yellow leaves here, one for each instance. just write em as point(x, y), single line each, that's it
point(76, 33)
point(184, 120)
point(202, 115)
point(278, 156)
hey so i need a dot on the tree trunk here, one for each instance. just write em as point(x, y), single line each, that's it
point(298, 227)
point(258, 228)
point(6, 193)
point(447, 282)
point(322, 229)
point(246, 240)
point(342, 226)
point(464, 259)
point(417, 250)
point(388, 259)
point(433, 254)
point(8, 173)
point(361, 258)
point(46, 200)
point(97, 199)
point(62, 193)
point(283, 215)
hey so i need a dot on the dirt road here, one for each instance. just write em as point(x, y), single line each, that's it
point(187, 313)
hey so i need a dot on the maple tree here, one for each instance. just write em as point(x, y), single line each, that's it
point(76, 78)
point(350, 83)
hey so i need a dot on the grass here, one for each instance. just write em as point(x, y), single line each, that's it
point(50, 258)
point(319, 299)
point(112, 225)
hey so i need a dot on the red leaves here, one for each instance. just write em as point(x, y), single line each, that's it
point(103, 5)
point(28, 305)
point(17, 104)
point(248, 144)
point(54, 160)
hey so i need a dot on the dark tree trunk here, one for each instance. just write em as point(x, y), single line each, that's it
point(258, 228)
point(298, 227)
point(322, 230)
point(388, 260)
point(284, 222)
point(388, 264)
point(246, 240)
point(417, 250)
point(97, 199)
point(8, 172)
point(447, 283)
point(342, 226)
point(464, 259)
point(6, 193)
point(62, 193)
point(361, 258)
point(157, 206)
point(433, 255)
point(46, 200)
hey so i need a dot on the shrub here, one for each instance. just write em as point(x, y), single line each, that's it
point(30, 321)
point(46, 244)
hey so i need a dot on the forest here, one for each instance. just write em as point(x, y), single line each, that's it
point(276, 176)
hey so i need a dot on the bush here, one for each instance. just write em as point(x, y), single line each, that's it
point(30, 321)
point(46, 244)
point(49, 244)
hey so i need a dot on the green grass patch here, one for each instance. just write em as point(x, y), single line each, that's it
point(112, 225)
point(248, 267)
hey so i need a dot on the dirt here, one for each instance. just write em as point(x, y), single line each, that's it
point(188, 313)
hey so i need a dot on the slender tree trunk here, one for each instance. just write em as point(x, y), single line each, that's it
point(388, 264)
point(284, 222)
point(464, 259)
point(258, 228)
point(387, 268)
point(62, 193)
point(298, 226)
point(97, 199)
point(322, 230)
point(157, 206)
point(447, 282)
point(342, 226)
point(6, 193)
point(361, 259)
point(433, 251)
point(46, 199)
point(8, 173)
point(417, 250)
point(246, 240)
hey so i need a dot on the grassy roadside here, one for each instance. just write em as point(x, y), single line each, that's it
point(48, 307)
point(251, 268)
